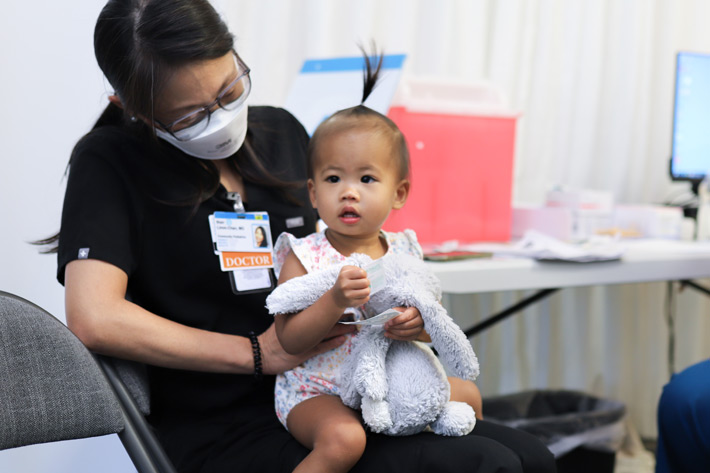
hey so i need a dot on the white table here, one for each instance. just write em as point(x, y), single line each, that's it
point(643, 261)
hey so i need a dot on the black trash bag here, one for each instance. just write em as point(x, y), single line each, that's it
point(562, 420)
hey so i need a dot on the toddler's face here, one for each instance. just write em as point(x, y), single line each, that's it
point(356, 182)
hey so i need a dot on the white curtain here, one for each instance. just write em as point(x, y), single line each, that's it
point(593, 81)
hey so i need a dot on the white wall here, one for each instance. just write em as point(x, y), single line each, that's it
point(51, 91)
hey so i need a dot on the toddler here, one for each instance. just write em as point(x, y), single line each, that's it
point(358, 168)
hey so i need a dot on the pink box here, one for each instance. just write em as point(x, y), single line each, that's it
point(461, 175)
point(552, 221)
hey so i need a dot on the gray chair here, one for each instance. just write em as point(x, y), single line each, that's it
point(52, 388)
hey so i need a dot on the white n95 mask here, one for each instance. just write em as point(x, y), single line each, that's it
point(223, 136)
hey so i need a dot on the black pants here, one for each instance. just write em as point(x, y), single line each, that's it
point(263, 445)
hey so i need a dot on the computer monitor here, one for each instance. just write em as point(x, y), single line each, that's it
point(690, 154)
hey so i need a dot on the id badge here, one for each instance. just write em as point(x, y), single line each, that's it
point(242, 243)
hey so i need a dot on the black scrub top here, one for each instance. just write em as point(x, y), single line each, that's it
point(125, 204)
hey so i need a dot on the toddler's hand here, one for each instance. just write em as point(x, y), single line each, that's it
point(406, 327)
point(352, 288)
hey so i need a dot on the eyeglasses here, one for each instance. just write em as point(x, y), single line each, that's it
point(230, 98)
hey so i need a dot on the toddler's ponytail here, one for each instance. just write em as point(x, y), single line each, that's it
point(369, 79)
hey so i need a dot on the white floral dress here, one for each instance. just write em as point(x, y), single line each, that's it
point(319, 374)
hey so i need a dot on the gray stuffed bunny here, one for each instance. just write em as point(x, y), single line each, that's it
point(401, 387)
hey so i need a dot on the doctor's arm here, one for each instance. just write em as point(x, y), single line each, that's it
point(101, 317)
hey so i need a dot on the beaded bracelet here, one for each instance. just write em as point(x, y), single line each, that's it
point(256, 350)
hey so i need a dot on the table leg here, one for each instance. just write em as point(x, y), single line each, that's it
point(670, 321)
point(694, 285)
point(494, 319)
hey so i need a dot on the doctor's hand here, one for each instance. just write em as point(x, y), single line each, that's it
point(275, 360)
point(406, 327)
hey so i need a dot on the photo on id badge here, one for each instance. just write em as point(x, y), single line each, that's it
point(261, 239)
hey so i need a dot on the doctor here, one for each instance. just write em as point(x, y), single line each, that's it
point(176, 144)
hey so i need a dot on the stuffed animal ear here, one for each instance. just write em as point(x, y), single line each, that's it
point(299, 293)
point(450, 342)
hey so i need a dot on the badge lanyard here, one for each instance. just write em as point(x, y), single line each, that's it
point(242, 241)
point(237, 199)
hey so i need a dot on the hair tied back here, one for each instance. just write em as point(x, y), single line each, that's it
point(370, 76)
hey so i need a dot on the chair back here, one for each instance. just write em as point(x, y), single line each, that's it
point(134, 377)
point(50, 385)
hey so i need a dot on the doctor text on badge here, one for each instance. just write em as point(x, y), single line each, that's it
point(233, 260)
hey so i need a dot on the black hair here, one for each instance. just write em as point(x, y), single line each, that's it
point(362, 116)
point(138, 44)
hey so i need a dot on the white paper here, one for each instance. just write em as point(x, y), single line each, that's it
point(378, 319)
point(539, 246)
point(376, 275)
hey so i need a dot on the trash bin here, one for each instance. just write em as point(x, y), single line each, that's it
point(582, 431)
